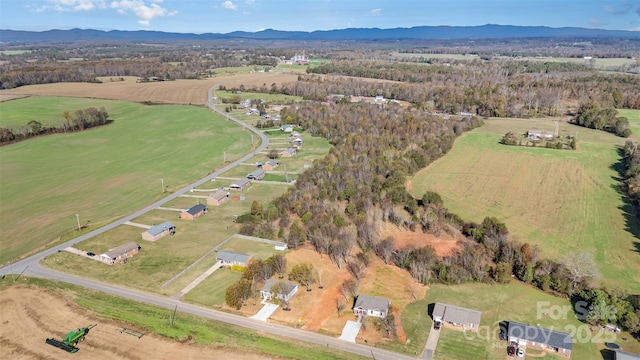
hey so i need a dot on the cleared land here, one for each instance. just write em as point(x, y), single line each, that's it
point(174, 92)
point(561, 201)
point(515, 302)
point(104, 172)
point(31, 313)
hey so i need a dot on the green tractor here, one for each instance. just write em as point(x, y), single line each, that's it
point(71, 339)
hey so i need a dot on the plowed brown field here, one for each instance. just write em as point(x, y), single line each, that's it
point(29, 315)
point(172, 92)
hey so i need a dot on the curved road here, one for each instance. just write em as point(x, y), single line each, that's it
point(31, 266)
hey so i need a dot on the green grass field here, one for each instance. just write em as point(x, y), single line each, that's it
point(211, 291)
point(634, 121)
point(561, 201)
point(102, 173)
point(155, 319)
point(514, 302)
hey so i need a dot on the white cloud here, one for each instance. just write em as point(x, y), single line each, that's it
point(621, 11)
point(144, 12)
point(229, 5)
point(71, 5)
point(596, 22)
point(375, 12)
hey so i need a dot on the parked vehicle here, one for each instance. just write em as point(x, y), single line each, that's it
point(511, 350)
point(436, 325)
point(91, 253)
point(520, 352)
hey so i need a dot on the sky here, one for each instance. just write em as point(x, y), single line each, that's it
point(223, 16)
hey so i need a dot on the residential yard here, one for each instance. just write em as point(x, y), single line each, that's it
point(561, 201)
point(211, 291)
point(257, 249)
point(515, 302)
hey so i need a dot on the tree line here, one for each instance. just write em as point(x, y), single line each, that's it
point(70, 122)
point(591, 115)
point(631, 172)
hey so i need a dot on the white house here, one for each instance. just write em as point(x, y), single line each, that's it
point(367, 305)
point(286, 292)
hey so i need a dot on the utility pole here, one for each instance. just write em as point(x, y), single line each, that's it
point(78, 220)
point(162, 182)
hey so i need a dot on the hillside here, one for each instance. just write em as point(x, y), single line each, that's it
point(419, 32)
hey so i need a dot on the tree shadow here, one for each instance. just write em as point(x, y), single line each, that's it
point(629, 210)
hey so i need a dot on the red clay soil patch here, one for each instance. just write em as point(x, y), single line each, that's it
point(29, 315)
point(315, 310)
point(444, 245)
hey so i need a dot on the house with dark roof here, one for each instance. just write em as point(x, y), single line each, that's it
point(230, 258)
point(194, 212)
point(623, 355)
point(540, 338)
point(288, 152)
point(217, 198)
point(257, 174)
point(120, 253)
point(283, 292)
point(270, 165)
point(240, 184)
point(157, 231)
point(367, 305)
point(456, 316)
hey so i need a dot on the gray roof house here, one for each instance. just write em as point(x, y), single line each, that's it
point(289, 289)
point(256, 174)
point(468, 319)
point(288, 152)
point(229, 258)
point(240, 184)
point(540, 338)
point(367, 305)
point(157, 231)
point(217, 197)
point(194, 212)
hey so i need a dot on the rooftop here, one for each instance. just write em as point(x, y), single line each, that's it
point(540, 335)
point(196, 209)
point(372, 302)
point(230, 256)
point(122, 249)
point(457, 315)
point(158, 229)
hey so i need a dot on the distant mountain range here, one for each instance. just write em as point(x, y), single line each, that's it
point(413, 33)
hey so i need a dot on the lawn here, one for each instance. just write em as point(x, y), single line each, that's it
point(211, 291)
point(102, 173)
point(159, 261)
point(562, 201)
point(514, 302)
point(257, 249)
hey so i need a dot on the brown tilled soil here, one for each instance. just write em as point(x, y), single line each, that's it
point(29, 315)
point(173, 92)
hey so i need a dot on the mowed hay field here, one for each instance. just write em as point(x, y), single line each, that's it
point(561, 201)
point(174, 92)
point(105, 172)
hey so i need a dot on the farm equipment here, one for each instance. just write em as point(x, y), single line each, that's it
point(71, 339)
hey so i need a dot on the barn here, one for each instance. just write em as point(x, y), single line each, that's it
point(256, 174)
point(240, 184)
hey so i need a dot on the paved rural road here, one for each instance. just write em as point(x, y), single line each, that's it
point(31, 266)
